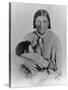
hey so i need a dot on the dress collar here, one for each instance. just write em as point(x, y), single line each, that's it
point(42, 35)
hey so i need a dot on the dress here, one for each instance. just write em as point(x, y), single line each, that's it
point(50, 46)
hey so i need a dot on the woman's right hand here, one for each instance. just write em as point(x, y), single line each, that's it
point(30, 65)
point(29, 61)
point(40, 61)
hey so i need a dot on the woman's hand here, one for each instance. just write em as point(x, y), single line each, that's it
point(36, 59)
point(40, 61)
point(29, 61)
point(30, 65)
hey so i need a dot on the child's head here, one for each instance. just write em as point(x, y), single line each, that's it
point(23, 47)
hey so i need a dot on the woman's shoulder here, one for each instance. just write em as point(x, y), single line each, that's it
point(53, 34)
point(55, 38)
point(29, 36)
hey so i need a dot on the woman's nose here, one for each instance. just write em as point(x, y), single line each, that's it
point(41, 24)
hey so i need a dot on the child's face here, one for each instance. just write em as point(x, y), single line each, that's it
point(41, 24)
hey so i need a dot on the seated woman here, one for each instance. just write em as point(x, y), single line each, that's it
point(45, 43)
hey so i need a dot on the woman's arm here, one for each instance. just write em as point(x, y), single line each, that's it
point(36, 58)
point(55, 56)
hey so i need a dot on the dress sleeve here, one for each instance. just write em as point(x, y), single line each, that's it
point(29, 37)
point(56, 55)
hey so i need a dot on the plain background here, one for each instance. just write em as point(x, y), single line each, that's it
point(22, 16)
point(4, 43)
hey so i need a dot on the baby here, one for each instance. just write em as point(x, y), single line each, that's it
point(24, 49)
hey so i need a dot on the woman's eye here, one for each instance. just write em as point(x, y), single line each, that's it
point(38, 22)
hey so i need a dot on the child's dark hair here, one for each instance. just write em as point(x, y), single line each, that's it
point(22, 47)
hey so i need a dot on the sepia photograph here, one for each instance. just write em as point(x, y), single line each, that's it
point(37, 44)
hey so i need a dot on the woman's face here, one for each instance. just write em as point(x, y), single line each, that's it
point(41, 24)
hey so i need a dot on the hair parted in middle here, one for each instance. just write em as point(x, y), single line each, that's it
point(41, 12)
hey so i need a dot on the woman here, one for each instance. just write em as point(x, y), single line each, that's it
point(45, 44)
